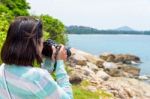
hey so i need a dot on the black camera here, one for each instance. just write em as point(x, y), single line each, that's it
point(47, 48)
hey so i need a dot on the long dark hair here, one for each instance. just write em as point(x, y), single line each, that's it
point(22, 41)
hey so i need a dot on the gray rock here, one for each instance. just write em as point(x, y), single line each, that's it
point(87, 71)
point(133, 70)
point(78, 60)
point(76, 77)
point(92, 66)
point(109, 65)
point(120, 58)
point(103, 75)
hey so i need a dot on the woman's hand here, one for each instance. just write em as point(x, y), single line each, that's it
point(62, 54)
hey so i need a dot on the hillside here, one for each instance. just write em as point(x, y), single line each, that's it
point(124, 28)
point(89, 30)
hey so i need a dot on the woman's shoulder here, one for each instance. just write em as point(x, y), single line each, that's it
point(39, 70)
point(25, 70)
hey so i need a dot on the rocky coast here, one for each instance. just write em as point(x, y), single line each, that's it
point(115, 74)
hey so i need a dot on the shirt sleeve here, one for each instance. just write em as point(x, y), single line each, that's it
point(48, 65)
point(59, 89)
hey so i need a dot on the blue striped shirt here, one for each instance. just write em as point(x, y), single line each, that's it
point(34, 83)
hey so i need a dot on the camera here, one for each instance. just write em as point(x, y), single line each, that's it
point(48, 51)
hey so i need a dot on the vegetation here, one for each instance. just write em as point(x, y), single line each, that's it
point(80, 92)
point(88, 30)
point(9, 9)
point(54, 28)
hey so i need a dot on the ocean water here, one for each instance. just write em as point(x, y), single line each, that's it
point(118, 44)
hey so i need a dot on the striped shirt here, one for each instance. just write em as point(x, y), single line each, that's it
point(20, 82)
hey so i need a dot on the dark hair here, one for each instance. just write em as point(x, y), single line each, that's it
point(21, 44)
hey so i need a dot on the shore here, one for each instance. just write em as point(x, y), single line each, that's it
point(115, 74)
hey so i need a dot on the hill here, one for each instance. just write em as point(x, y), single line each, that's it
point(124, 28)
point(88, 30)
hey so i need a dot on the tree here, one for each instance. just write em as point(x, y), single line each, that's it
point(55, 28)
point(17, 7)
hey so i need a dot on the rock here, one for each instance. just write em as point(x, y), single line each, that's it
point(120, 58)
point(76, 77)
point(127, 88)
point(92, 66)
point(87, 71)
point(143, 77)
point(112, 75)
point(101, 74)
point(109, 65)
point(107, 57)
point(114, 72)
point(121, 70)
point(99, 64)
point(91, 88)
point(129, 58)
point(78, 59)
point(133, 70)
point(90, 58)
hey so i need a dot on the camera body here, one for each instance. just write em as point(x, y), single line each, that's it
point(48, 51)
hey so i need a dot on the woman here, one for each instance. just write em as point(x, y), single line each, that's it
point(18, 78)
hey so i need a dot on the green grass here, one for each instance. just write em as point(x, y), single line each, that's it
point(81, 93)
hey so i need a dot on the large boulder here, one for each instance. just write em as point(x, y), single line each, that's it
point(127, 58)
point(109, 65)
point(87, 71)
point(121, 70)
point(78, 59)
point(76, 76)
point(103, 75)
point(127, 88)
point(120, 58)
point(92, 66)
point(132, 70)
point(107, 57)
point(90, 58)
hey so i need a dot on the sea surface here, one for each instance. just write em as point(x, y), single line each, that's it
point(118, 44)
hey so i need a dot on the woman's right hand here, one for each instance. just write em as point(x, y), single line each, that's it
point(62, 54)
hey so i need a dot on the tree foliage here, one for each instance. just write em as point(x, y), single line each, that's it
point(54, 28)
point(17, 7)
point(9, 9)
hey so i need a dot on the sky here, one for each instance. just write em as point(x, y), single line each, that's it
point(100, 14)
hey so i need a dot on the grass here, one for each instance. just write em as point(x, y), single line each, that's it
point(81, 93)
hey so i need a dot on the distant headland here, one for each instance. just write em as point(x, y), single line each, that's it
point(74, 29)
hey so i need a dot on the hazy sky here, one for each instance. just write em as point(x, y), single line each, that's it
point(101, 14)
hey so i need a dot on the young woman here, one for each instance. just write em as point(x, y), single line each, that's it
point(19, 79)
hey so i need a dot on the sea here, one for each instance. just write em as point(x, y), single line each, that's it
point(97, 44)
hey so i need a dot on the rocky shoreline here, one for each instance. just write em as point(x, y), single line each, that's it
point(115, 74)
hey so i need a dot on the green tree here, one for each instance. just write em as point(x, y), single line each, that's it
point(55, 28)
point(17, 7)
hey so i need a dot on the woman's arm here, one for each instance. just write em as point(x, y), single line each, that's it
point(48, 64)
point(59, 89)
